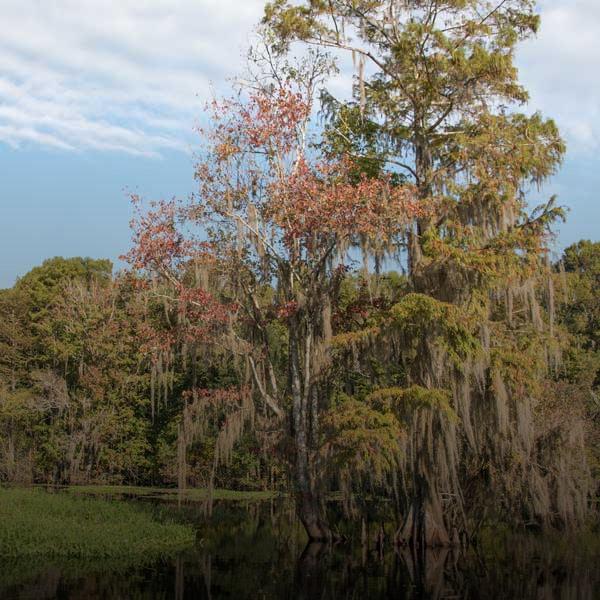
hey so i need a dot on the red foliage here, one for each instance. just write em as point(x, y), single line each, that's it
point(320, 201)
point(165, 256)
point(287, 309)
point(258, 161)
point(263, 199)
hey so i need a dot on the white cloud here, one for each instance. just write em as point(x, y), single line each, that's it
point(132, 75)
point(560, 69)
point(125, 75)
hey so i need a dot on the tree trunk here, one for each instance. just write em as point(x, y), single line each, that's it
point(308, 504)
point(311, 515)
point(424, 525)
point(426, 529)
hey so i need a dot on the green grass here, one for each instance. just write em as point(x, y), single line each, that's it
point(35, 523)
point(169, 494)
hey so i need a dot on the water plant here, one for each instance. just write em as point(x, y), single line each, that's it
point(35, 523)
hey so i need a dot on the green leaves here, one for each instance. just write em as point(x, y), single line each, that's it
point(360, 441)
point(404, 403)
point(419, 317)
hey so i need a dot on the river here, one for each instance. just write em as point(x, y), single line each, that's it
point(258, 551)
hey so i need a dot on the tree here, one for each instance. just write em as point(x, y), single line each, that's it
point(278, 217)
point(578, 276)
point(581, 313)
point(72, 394)
point(436, 81)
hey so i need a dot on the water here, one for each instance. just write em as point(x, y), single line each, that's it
point(258, 551)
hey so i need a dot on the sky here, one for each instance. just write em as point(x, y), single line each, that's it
point(99, 98)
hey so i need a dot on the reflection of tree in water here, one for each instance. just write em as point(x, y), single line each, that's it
point(311, 571)
point(261, 557)
point(328, 574)
point(258, 551)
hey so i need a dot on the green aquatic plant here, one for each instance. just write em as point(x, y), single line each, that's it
point(35, 523)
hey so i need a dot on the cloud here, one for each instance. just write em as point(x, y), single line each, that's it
point(132, 75)
point(117, 75)
point(560, 66)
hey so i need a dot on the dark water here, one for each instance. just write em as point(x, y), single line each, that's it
point(257, 551)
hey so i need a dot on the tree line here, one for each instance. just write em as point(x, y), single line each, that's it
point(77, 404)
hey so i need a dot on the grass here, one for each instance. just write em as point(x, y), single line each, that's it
point(35, 523)
point(170, 494)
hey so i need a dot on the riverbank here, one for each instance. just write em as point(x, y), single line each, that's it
point(169, 494)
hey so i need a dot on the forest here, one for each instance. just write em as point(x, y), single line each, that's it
point(360, 303)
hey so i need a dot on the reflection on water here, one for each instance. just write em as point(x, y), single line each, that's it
point(258, 551)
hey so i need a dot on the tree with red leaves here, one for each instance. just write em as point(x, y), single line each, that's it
point(273, 223)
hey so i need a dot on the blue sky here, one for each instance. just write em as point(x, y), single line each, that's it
point(98, 97)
